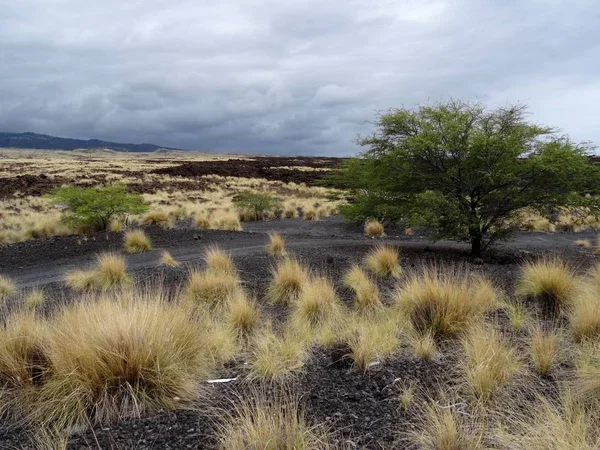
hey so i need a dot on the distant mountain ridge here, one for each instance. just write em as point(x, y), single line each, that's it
point(46, 142)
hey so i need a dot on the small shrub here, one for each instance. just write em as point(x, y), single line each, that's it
point(444, 304)
point(96, 207)
point(116, 225)
point(371, 340)
point(257, 204)
point(310, 213)
point(550, 282)
point(7, 287)
point(167, 260)
point(262, 422)
point(288, 279)
point(544, 350)
point(584, 243)
point(276, 245)
point(366, 292)
point(490, 362)
point(211, 289)
point(136, 241)
point(374, 228)
point(407, 393)
point(383, 262)
point(423, 345)
point(219, 262)
point(226, 221)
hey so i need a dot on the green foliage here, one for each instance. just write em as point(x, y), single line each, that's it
point(95, 207)
point(464, 171)
point(257, 203)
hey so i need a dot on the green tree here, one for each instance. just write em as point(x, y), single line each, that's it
point(95, 207)
point(464, 171)
point(257, 203)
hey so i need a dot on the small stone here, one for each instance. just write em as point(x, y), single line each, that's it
point(329, 259)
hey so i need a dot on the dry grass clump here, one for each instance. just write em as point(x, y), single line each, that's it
point(116, 225)
point(547, 425)
point(262, 422)
point(110, 272)
point(226, 221)
point(156, 217)
point(583, 243)
point(383, 262)
point(167, 260)
point(122, 356)
point(442, 428)
point(445, 303)
point(7, 287)
point(516, 315)
point(243, 316)
point(276, 245)
point(310, 213)
point(374, 228)
point(544, 350)
point(275, 357)
point(212, 289)
point(366, 292)
point(317, 303)
point(584, 316)
point(202, 222)
point(288, 278)
point(34, 299)
point(549, 281)
point(370, 340)
point(219, 262)
point(490, 362)
point(136, 241)
point(423, 345)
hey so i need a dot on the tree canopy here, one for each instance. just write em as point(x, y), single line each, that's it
point(464, 171)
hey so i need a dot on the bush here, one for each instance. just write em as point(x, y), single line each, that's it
point(374, 228)
point(256, 203)
point(95, 207)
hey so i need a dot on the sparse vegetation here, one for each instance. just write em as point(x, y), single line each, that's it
point(156, 217)
point(366, 292)
point(211, 289)
point(276, 245)
point(288, 278)
point(374, 228)
point(256, 204)
point(7, 287)
point(167, 260)
point(383, 262)
point(219, 262)
point(110, 271)
point(544, 350)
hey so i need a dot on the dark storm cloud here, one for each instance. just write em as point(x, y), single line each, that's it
point(301, 76)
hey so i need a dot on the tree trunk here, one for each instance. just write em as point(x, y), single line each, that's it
point(476, 246)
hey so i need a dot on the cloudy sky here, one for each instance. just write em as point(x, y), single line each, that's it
point(289, 77)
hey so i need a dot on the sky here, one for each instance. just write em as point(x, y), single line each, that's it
point(299, 77)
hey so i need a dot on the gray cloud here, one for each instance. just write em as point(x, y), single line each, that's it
point(301, 76)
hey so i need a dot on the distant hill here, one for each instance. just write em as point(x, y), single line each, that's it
point(43, 141)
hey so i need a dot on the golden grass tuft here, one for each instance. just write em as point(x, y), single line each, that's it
point(212, 289)
point(310, 213)
point(383, 262)
point(243, 316)
point(121, 356)
point(547, 425)
point(276, 245)
point(267, 422)
point(584, 315)
point(442, 428)
point(155, 217)
point(136, 241)
point(202, 222)
point(549, 281)
point(317, 304)
point(446, 303)
point(110, 272)
point(365, 291)
point(374, 228)
point(7, 287)
point(544, 350)
point(226, 221)
point(490, 362)
point(288, 278)
point(516, 315)
point(371, 340)
point(219, 262)
point(275, 357)
point(583, 243)
point(33, 299)
point(167, 260)
point(423, 345)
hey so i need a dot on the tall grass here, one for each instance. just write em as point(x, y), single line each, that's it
point(136, 241)
point(365, 291)
point(288, 278)
point(383, 262)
